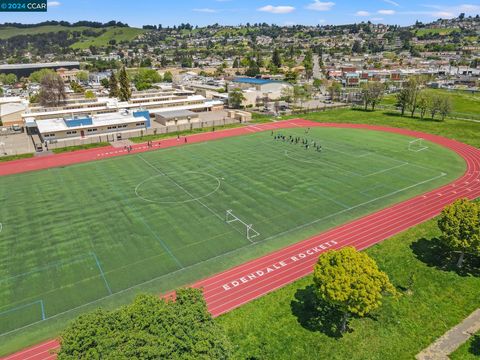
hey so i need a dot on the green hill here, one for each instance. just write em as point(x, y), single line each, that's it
point(118, 34)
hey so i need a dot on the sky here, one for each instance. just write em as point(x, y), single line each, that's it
point(235, 12)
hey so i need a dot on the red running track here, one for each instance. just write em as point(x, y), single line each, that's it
point(239, 285)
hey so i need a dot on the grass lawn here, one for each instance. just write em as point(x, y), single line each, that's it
point(96, 234)
point(464, 131)
point(79, 147)
point(468, 351)
point(442, 32)
point(15, 157)
point(464, 104)
point(282, 325)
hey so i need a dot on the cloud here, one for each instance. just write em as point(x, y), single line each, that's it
point(362, 13)
point(446, 12)
point(53, 3)
point(442, 14)
point(277, 9)
point(205, 10)
point(387, 12)
point(391, 2)
point(318, 5)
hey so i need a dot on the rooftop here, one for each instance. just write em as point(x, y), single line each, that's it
point(176, 114)
point(65, 124)
point(254, 81)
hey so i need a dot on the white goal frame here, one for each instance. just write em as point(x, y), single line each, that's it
point(251, 233)
point(417, 145)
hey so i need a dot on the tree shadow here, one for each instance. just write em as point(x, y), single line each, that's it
point(434, 253)
point(475, 346)
point(314, 314)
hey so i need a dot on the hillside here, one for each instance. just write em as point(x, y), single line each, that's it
point(113, 33)
point(104, 35)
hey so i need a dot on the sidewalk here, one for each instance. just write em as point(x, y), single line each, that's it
point(452, 339)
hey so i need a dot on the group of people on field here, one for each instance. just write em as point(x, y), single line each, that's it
point(296, 140)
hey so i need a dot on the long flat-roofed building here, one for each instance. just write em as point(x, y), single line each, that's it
point(82, 127)
point(152, 102)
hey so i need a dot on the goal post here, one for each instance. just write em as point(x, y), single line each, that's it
point(230, 218)
point(417, 145)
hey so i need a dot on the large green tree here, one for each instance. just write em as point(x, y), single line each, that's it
point(372, 93)
point(276, 58)
point(236, 98)
point(351, 282)
point(460, 227)
point(113, 85)
point(124, 93)
point(149, 328)
point(145, 78)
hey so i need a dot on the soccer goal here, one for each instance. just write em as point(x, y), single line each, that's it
point(417, 145)
point(250, 231)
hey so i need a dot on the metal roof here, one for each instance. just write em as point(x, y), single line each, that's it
point(255, 81)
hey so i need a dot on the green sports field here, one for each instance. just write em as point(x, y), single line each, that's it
point(85, 235)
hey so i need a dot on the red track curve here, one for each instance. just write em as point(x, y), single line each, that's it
point(295, 261)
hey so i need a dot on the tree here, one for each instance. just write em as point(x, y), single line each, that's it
point(253, 69)
point(334, 90)
point(10, 79)
point(413, 88)
point(236, 98)
point(168, 77)
point(113, 86)
point(236, 63)
point(434, 105)
point(82, 76)
point(318, 84)
point(308, 64)
point(76, 87)
point(149, 328)
point(445, 107)
point(145, 78)
point(124, 93)
point(276, 58)
point(351, 282)
point(37, 76)
point(372, 93)
point(403, 98)
point(287, 94)
point(460, 227)
point(105, 83)
point(52, 90)
point(89, 94)
point(423, 103)
point(357, 47)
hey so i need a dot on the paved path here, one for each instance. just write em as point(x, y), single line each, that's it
point(452, 339)
point(244, 283)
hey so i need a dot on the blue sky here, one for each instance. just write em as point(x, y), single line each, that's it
point(233, 12)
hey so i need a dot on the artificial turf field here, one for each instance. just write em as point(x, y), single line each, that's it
point(72, 236)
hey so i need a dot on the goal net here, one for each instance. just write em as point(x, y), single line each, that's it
point(230, 218)
point(417, 145)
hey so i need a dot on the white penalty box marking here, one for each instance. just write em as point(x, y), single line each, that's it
point(251, 232)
